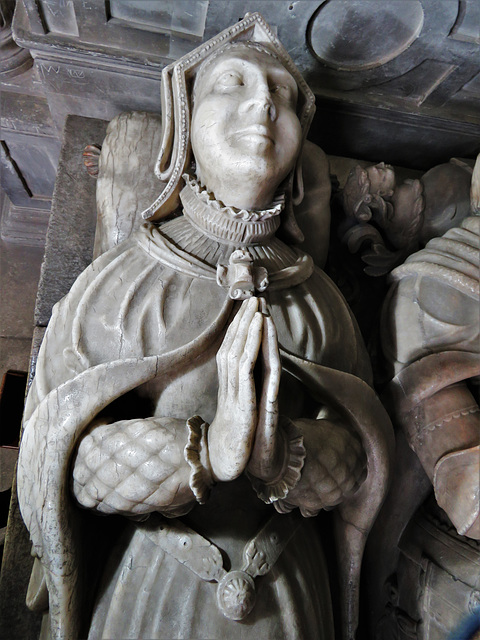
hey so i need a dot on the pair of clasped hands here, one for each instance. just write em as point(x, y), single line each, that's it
point(244, 434)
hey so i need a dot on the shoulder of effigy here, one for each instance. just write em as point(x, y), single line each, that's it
point(110, 311)
point(113, 271)
point(321, 288)
point(316, 301)
point(98, 302)
point(120, 264)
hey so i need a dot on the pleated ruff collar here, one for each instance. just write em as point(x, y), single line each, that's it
point(227, 224)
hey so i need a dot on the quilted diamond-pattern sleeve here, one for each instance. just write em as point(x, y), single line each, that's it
point(134, 467)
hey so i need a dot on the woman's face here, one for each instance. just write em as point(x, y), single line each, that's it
point(245, 130)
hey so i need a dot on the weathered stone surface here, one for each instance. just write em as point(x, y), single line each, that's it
point(24, 225)
point(394, 136)
point(38, 333)
point(21, 113)
point(121, 201)
point(71, 232)
point(394, 106)
point(96, 91)
point(332, 25)
point(19, 266)
point(13, 59)
point(16, 620)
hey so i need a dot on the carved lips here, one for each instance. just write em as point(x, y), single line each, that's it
point(258, 134)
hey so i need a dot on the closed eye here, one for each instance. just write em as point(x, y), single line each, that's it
point(228, 80)
point(283, 91)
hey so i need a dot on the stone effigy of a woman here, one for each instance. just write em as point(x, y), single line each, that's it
point(204, 385)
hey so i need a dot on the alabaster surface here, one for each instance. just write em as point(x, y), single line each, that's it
point(431, 339)
point(424, 552)
point(204, 385)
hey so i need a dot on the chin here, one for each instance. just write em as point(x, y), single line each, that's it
point(261, 164)
point(240, 176)
point(256, 145)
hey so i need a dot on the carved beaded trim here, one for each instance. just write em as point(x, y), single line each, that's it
point(417, 431)
point(455, 415)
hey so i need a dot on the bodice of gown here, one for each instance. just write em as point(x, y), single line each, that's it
point(134, 301)
point(131, 303)
point(155, 293)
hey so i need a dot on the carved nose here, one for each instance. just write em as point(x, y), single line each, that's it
point(261, 102)
point(269, 107)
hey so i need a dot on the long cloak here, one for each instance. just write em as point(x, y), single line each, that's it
point(144, 312)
